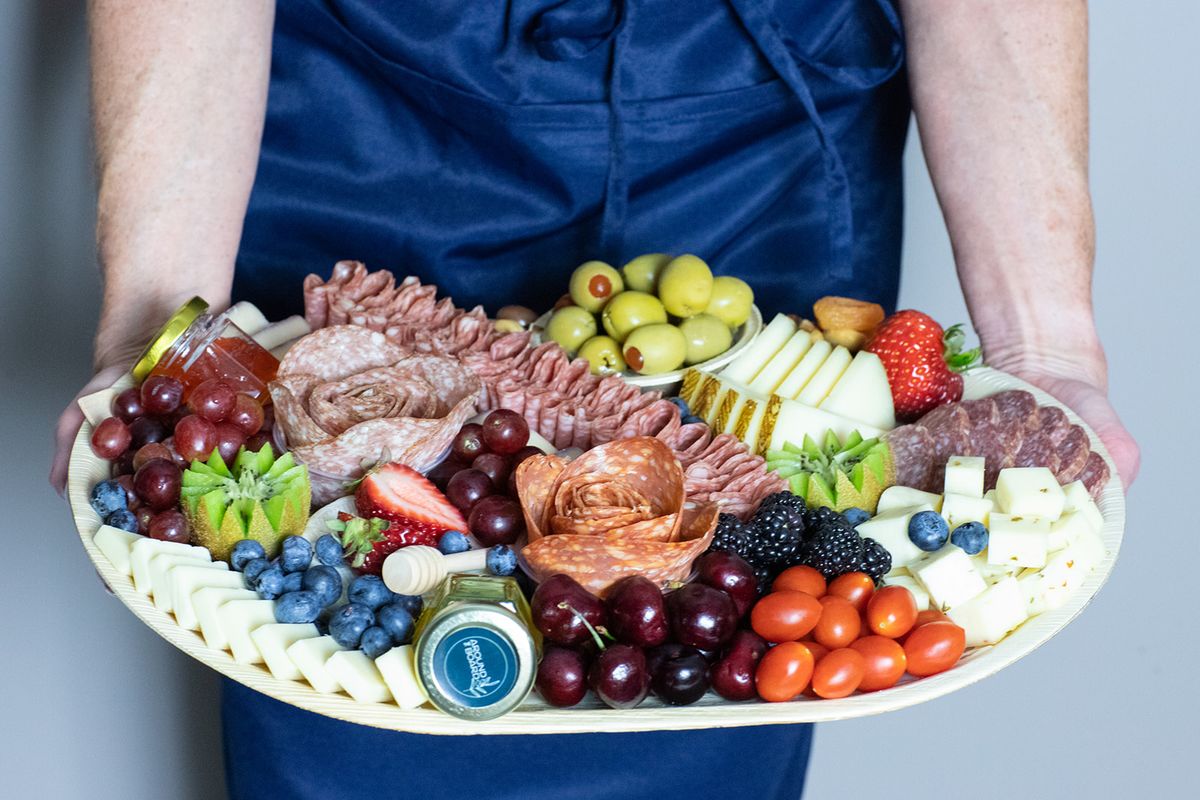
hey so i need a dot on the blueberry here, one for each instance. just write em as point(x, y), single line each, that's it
point(370, 591)
point(297, 607)
point(682, 405)
point(453, 542)
point(928, 531)
point(244, 552)
point(295, 554)
point(691, 418)
point(325, 582)
point(322, 626)
point(107, 497)
point(395, 619)
point(329, 551)
point(270, 582)
point(375, 642)
point(856, 516)
point(501, 560)
point(124, 519)
point(347, 624)
point(412, 603)
point(972, 537)
point(292, 581)
point(252, 569)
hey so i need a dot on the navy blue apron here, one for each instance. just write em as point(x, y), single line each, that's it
point(491, 147)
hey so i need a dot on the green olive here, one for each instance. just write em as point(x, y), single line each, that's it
point(657, 348)
point(705, 336)
point(731, 300)
point(570, 327)
point(593, 284)
point(685, 286)
point(630, 310)
point(603, 354)
point(641, 274)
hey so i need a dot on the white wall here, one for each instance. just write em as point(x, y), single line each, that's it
point(95, 705)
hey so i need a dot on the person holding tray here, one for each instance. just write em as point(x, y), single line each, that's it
point(491, 147)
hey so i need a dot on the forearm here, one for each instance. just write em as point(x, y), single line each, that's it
point(179, 97)
point(1000, 93)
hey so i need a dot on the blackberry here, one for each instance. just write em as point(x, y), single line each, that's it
point(731, 536)
point(815, 519)
point(793, 502)
point(834, 549)
point(764, 577)
point(773, 537)
point(876, 560)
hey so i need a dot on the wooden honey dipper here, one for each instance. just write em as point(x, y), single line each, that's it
point(418, 569)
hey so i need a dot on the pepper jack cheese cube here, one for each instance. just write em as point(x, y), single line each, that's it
point(959, 509)
point(1066, 529)
point(273, 640)
point(895, 497)
point(1029, 492)
point(1077, 499)
point(949, 577)
point(908, 582)
point(1032, 585)
point(310, 657)
point(964, 476)
point(1018, 541)
point(161, 567)
point(890, 529)
point(239, 618)
point(990, 615)
point(359, 676)
point(398, 668)
point(115, 544)
point(992, 573)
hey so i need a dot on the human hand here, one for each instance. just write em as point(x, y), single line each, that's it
point(70, 421)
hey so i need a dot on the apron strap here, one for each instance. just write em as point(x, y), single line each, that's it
point(787, 59)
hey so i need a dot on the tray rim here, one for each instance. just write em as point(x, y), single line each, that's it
point(536, 717)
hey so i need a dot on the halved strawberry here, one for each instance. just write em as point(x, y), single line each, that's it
point(416, 513)
point(923, 362)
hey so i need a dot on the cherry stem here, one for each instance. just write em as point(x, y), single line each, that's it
point(595, 630)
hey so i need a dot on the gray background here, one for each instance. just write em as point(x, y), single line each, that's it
point(93, 704)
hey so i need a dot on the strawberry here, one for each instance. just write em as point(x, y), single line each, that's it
point(399, 507)
point(923, 362)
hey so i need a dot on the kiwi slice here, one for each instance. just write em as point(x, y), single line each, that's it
point(838, 473)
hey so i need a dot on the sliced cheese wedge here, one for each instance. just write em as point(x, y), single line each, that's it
point(359, 676)
point(273, 641)
point(803, 372)
point(239, 618)
point(822, 382)
point(310, 657)
point(115, 544)
point(145, 549)
point(863, 393)
point(206, 602)
point(782, 363)
point(746, 366)
point(398, 668)
point(160, 576)
point(186, 580)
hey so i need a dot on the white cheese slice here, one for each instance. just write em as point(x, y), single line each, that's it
point(205, 603)
point(949, 577)
point(769, 378)
point(964, 476)
point(1076, 499)
point(248, 317)
point(989, 616)
point(160, 575)
point(238, 619)
point(276, 335)
point(1029, 492)
point(774, 336)
point(1018, 541)
point(908, 582)
point(186, 580)
point(97, 406)
point(907, 497)
point(115, 544)
point(958, 509)
point(359, 676)
point(890, 529)
point(310, 657)
point(273, 640)
point(146, 548)
point(863, 393)
point(398, 668)
point(805, 370)
point(817, 389)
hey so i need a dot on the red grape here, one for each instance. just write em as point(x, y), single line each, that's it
point(441, 474)
point(124, 464)
point(149, 451)
point(157, 483)
point(528, 451)
point(496, 520)
point(195, 438)
point(468, 442)
point(144, 514)
point(505, 431)
point(127, 406)
point(467, 488)
point(111, 438)
point(230, 439)
point(161, 395)
point(495, 466)
point(212, 400)
point(169, 526)
point(145, 430)
point(256, 442)
point(132, 501)
point(247, 414)
point(179, 460)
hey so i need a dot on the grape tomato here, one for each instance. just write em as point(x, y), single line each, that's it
point(783, 672)
point(785, 616)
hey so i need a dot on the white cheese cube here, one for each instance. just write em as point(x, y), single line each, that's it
point(959, 509)
point(896, 572)
point(206, 602)
point(1033, 587)
point(1029, 492)
point(1077, 499)
point(146, 548)
point(989, 616)
point(992, 573)
point(186, 580)
point(238, 619)
point(115, 544)
point(1018, 541)
point(949, 577)
point(1062, 575)
point(398, 668)
point(160, 575)
point(310, 657)
point(908, 582)
point(359, 676)
point(1090, 547)
point(964, 476)
point(990, 494)
point(895, 497)
point(1067, 529)
point(890, 529)
point(273, 640)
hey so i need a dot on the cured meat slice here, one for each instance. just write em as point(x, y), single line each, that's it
point(1095, 474)
point(912, 455)
point(1073, 451)
point(1038, 450)
point(331, 353)
point(1054, 423)
point(982, 411)
point(951, 434)
point(1018, 409)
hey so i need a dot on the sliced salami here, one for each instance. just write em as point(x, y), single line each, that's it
point(1054, 423)
point(1038, 451)
point(912, 454)
point(1073, 451)
point(1095, 474)
point(1018, 409)
point(332, 353)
